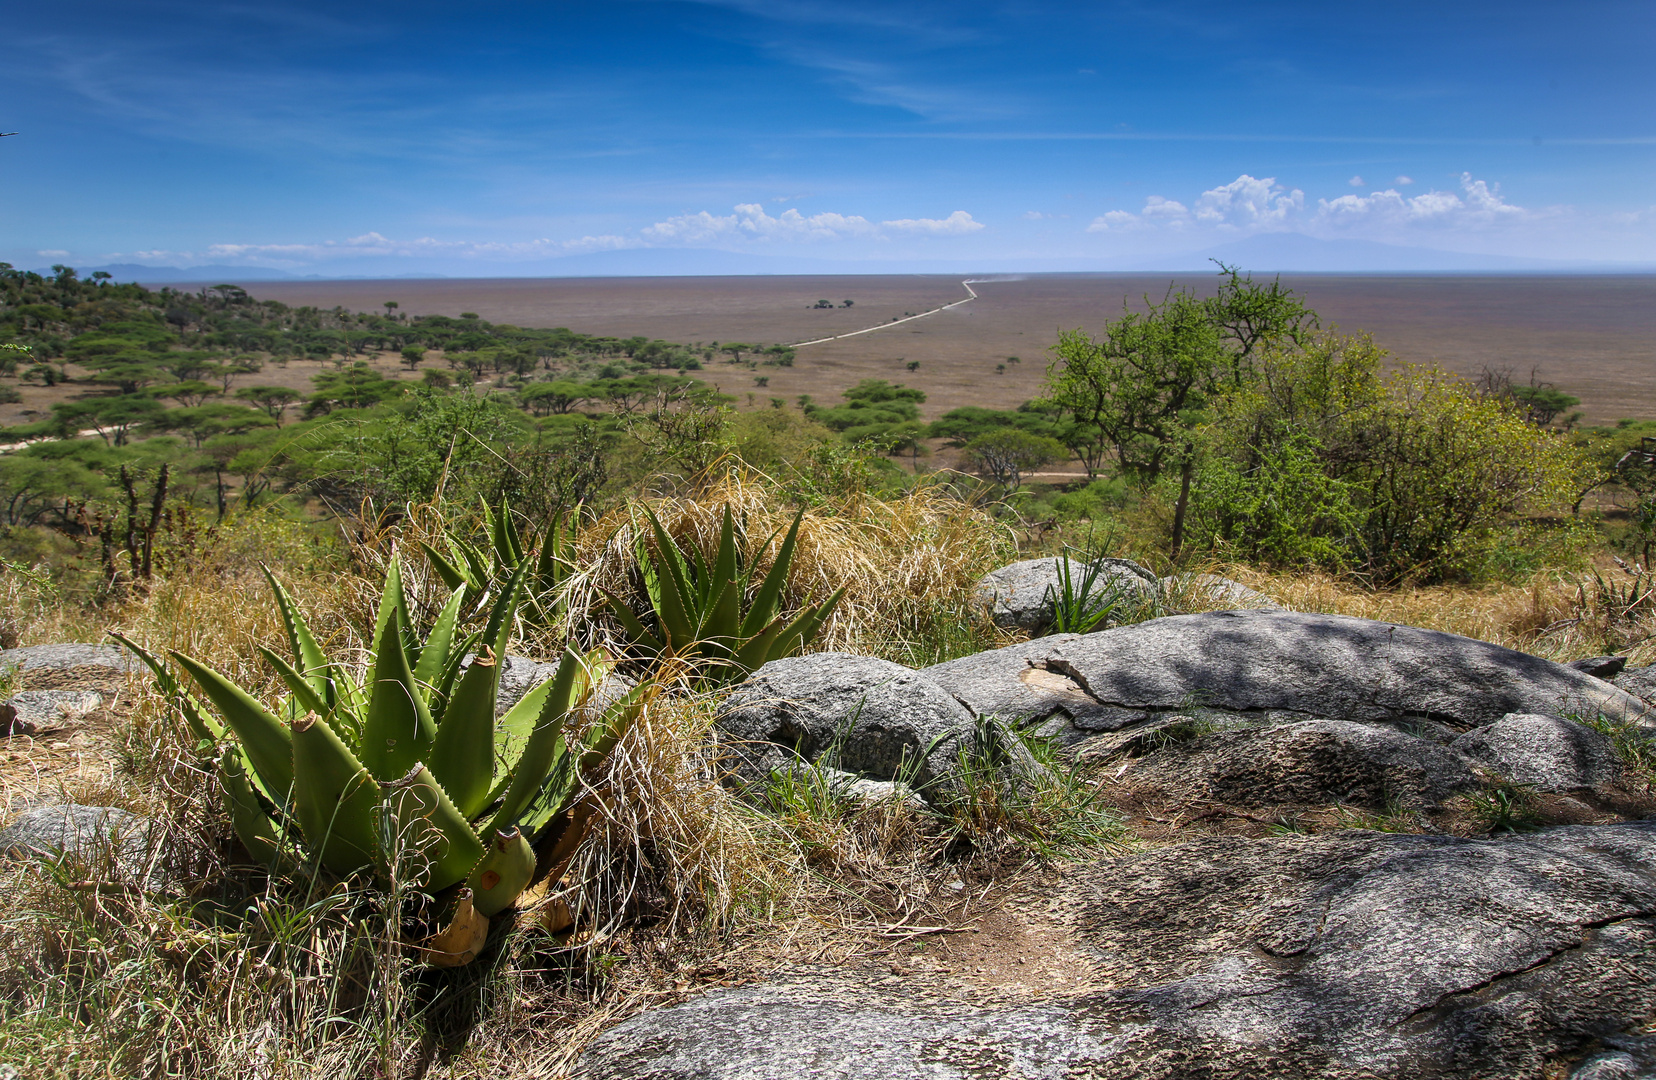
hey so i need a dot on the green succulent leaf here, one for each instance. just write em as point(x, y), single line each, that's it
point(253, 826)
point(769, 597)
point(451, 574)
point(202, 726)
point(462, 755)
point(439, 645)
point(499, 878)
point(397, 731)
point(420, 812)
point(266, 739)
point(307, 655)
point(545, 745)
point(334, 797)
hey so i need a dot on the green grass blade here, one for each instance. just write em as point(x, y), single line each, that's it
point(267, 741)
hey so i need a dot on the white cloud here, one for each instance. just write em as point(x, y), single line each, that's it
point(52, 253)
point(1248, 203)
point(1355, 181)
point(1479, 204)
point(959, 223)
point(750, 222)
point(1403, 181)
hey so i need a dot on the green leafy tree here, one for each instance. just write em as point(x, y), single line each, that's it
point(1005, 454)
point(1143, 387)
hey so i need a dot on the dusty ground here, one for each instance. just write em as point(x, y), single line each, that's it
point(1594, 336)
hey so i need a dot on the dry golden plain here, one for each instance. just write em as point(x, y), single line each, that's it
point(1592, 335)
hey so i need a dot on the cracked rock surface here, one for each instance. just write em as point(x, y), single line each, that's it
point(1345, 956)
point(1330, 666)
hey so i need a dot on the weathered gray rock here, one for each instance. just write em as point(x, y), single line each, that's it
point(1314, 761)
point(1338, 957)
point(30, 711)
point(855, 713)
point(97, 837)
point(1640, 682)
point(111, 659)
point(1600, 667)
point(1020, 594)
point(1216, 589)
point(1330, 666)
point(1548, 752)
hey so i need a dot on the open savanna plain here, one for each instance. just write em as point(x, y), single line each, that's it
point(1593, 336)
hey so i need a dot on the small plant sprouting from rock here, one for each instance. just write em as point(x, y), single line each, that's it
point(1503, 806)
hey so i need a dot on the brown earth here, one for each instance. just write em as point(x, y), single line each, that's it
point(1593, 336)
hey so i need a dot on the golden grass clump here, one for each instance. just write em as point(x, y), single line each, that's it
point(908, 564)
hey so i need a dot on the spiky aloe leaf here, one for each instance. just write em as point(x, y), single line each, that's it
point(674, 595)
point(397, 731)
point(307, 654)
point(499, 878)
point(503, 534)
point(393, 605)
point(513, 730)
point(334, 798)
point(202, 726)
point(305, 697)
point(583, 757)
point(769, 596)
point(799, 633)
point(451, 574)
point(635, 629)
point(462, 755)
point(254, 828)
point(421, 812)
point(265, 739)
point(726, 566)
point(439, 647)
point(544, 746)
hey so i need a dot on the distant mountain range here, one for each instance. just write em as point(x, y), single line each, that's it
point(1262, 253)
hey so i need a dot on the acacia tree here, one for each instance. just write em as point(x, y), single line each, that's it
point(1005, 454)
point(1141, 389)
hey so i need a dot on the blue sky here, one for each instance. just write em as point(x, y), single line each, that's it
point(496, 137)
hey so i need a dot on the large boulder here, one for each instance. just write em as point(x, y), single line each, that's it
point(1312, 762)
point(1549, 753)
point(32, 711)
point(854, 713)
point(1020, 595)
point(72, 666)
point(1331, 666)
point(1337, 957)
point(1640, 682)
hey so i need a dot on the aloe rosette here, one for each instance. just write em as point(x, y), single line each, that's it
point(344, 777)
point(710, 613)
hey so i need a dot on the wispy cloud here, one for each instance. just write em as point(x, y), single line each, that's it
point(749, 224)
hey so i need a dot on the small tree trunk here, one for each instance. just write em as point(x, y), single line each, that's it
point(1185, 471)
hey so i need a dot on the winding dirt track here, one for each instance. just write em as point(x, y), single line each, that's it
point(967, 285)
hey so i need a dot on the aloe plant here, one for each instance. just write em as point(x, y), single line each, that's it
point(483, 569)
point(342, 776)
point(708, 612)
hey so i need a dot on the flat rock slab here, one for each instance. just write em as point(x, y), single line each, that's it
point(1548, 753)
point(1331, 666)
point(71, 666)
point(98, 837)
point(1311, 762)
point(31, 711)
point(1338, 957)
